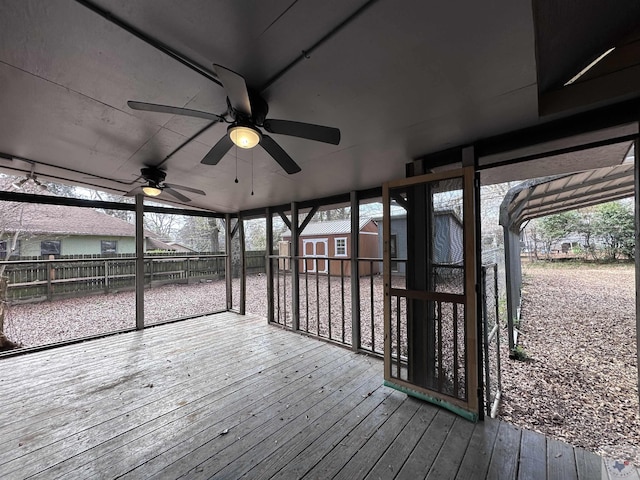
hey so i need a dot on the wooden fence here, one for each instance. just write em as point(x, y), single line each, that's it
point(36, 279)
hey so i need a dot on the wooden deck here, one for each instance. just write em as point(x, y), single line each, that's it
point(230, 397)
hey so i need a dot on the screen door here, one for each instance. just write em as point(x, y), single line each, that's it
point(430, 309)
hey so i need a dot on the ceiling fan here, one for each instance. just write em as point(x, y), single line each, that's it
point(156, 185)
point(248, 111)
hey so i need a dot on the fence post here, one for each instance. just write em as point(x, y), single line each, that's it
point(50, 277)
point(106, 276)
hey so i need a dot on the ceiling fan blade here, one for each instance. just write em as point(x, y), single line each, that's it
point(303, 130)
point(218, 151)
point(186, 189)
point(176, 194)
point(134, 192)
point(279, 155)
point(236, 89)
point(152, 107)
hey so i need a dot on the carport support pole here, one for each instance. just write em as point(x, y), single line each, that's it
point(355, 271)
point(637, 249)
point(139, 261)
point(295, 269)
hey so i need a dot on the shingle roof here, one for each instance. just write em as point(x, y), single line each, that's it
point(37, 218)
point(332, 227)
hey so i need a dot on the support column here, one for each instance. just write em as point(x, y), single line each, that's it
point(228, 260)
point(269, 266)
point(295, 269)
point(637, 248)
point(243, 266)
point(355, 271)
point(139, 262)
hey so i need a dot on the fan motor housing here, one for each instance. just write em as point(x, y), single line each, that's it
point(153, 175)
point(259, 110)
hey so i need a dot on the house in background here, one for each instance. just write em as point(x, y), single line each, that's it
point(45, 230)
point(448, 241)
point(332, 239)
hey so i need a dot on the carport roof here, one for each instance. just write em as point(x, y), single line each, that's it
point(550, 195)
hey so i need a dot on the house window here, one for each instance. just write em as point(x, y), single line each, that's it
point(50, 247)
point(4, 245)
point(341, 247)
point(108, 247)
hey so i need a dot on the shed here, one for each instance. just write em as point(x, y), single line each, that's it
point(326, 247)
point(448, 242)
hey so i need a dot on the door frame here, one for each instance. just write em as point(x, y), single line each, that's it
point(314, 242)
point(470, 408)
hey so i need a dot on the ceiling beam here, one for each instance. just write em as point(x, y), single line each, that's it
point(162, 47)
point(596, 119)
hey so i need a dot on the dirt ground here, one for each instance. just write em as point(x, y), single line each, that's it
point(580, 383)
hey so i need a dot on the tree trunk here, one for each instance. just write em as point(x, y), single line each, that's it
point(5, 343)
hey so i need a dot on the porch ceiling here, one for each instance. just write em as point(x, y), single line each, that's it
point(399, 81)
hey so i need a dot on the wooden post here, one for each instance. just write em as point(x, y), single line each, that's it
point(355, 271)
point(243, 267)
point(295, 269)
point(268, 266)
point(51, 277)
point(637, 247)
point(228, 260)
point(106, 276)
point(139, 262)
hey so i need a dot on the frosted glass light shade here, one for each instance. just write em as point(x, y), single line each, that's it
point(244, 137)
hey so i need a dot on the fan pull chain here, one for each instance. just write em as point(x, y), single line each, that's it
point(251, 171)
point(236, 150)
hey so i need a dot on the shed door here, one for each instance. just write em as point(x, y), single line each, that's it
point(430, 314)
point(312, 249)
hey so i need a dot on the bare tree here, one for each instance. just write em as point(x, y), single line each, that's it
point(126, 215)
point(200, 233)
point(162, 224)
point(11, 230)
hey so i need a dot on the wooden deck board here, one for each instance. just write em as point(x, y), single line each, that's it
point(454, 446)
point(560, 460)
point(588, 464)
point(533, 455)
point(428, 447)
point(403, 444)
point(228, 396)
point(363, 461)
point(506, 452)
point(475, 462)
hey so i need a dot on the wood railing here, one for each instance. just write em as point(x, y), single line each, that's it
point(326, 299)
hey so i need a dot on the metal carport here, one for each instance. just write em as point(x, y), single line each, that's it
point(550, 195)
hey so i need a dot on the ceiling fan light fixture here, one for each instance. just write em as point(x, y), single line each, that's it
point(244, 136)
point(18, 184)
point(151, 190)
